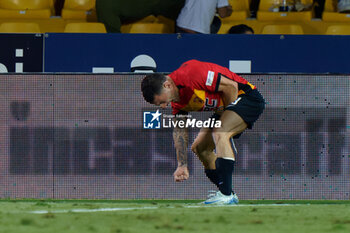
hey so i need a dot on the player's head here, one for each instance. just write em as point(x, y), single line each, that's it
point(158, 89)
point(241, 29)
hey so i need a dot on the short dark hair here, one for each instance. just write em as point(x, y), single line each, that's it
point(152, 85)
point(240, 29)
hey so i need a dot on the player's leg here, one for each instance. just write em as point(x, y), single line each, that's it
point(203, 146)
point(235, 119)
point(231, 125)
point(108, 17)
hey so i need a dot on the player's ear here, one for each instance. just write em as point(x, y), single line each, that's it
point(166, 84)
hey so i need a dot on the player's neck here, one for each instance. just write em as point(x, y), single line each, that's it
point(176, 96)
point(175, 91)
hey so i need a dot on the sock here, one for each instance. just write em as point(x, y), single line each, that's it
point(213, 176)
point(224, 168)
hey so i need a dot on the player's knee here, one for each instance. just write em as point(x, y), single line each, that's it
point(200, 150)
point(194, 148)
point(220, 136)
point(197, 148)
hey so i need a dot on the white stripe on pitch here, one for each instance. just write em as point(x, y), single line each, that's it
point(152, 208)
point(90, 210)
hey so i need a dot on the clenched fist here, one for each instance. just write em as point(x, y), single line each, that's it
point(181, 174)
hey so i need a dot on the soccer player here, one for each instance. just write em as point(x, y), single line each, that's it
point(202, 86)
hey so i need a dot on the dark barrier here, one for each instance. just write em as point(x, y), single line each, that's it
point(241, 53)
point(21, 53)
point(164, 53)
point(82, 136)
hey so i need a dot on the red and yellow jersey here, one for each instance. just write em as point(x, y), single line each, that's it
point(198, 84)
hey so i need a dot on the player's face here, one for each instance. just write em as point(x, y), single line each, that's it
point(163, 99)
point(167, 95)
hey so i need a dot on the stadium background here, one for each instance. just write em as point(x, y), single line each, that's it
point(80, 135)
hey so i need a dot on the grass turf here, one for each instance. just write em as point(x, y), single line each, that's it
point(173, 216)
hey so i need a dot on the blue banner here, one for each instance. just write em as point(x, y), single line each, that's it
point(21, 53)
point(165, 52)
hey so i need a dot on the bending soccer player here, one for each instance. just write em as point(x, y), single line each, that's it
point(202, 86)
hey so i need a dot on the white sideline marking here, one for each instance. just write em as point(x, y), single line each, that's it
point(150, 208)
point(90, 210)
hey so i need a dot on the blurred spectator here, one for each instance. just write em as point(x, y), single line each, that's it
point(319, 7)
point(254, 7)
point(282, 5)
point(290, 5)
point(58, 4)
point(344, 6)
point(197, 15)
point(241, 29)
point(215, 25)
point(114, 13)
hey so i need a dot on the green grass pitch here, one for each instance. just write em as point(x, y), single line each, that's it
point(142, 216)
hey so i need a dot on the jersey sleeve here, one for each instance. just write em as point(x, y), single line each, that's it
point(203, 76)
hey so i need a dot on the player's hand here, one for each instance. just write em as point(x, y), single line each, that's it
point(181, 174)
point(229, 10)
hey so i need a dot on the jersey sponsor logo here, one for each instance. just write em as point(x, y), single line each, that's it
point(210, 78)
point(210, 104)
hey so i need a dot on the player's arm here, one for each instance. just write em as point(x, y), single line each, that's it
point(180, 136)
point(225, 11)
point(229, 90)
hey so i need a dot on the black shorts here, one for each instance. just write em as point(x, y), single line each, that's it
point(248, 106)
